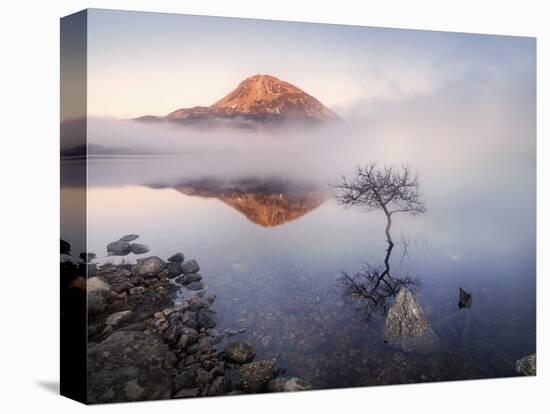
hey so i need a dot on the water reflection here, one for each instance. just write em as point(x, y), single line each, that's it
point(266, 202)
point(371, 289)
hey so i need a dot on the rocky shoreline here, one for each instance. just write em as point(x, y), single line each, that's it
point(143, 344)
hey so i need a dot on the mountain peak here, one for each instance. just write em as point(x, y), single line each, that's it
point(266, 94)
point(258, 100)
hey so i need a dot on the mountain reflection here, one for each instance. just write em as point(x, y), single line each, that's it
point(266, 202)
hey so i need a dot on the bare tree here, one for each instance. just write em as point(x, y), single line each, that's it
point(388, 189)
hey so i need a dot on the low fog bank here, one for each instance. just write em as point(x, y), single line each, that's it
point(470, 128)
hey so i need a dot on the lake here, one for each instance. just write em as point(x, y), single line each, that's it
point(273, 246)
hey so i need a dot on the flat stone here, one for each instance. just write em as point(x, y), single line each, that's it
point(138, 248)
point(129, 237)
point(187, 393)
point(195, 286)
point(119, 317)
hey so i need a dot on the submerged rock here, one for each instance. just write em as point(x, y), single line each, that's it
point(406, 327)
point(177, 258)
point(527, 365)
point(239, 352)
point(255, 376)
point(119, 248)
point(288, 384)
point(191, 266)
point(204, 320)
point(464, 299)
point(186, 279)
point(129, 366)
point(138, 248)
point(149, 267)
point(129, 237)
point(195, 286)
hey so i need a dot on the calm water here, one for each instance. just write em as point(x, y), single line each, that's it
point(273, 247)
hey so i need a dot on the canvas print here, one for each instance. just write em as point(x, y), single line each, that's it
point(253, 206)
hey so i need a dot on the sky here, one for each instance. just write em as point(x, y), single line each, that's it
point(153, 63)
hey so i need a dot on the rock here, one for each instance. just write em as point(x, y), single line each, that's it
point(203, 377)
point(149, 267)
point(87, 257)
point(96, 302)
point(239, 352)
point(174, 269)
point(138, 248)
point(255, 376)
point(177, 258)
point(129, 237)
point(129, 366)
point(464, 299)
point(118, 318)
point(67, 258)
point(138, 290)
point(406, 327)
point(187, 393)
point(218, 387)
point(65, 247)
point(191, 266)
point(204, 320)
point(95, 284)
point(527, 365)
point(288, 384)
point(195, 286)
point(187, 279)
point(119, 248)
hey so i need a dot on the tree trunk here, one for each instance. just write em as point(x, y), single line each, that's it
point(388, 227)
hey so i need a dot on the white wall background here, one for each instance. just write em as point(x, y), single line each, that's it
point(29, 99)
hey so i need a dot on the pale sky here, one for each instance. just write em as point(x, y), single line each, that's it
point(149, 63)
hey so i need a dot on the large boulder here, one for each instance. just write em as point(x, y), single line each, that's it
point(149, 267)
point(288, 384)
point(119, 248)
point(239, 352)
point(406, 327)
point(527, 365)
point(255, 376)
point(191, 266)
point(129, 366)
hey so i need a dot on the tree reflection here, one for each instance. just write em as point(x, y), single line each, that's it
point(372, 288)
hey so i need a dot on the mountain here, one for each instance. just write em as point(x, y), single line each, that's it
point(261, 100)
point(268, 203)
